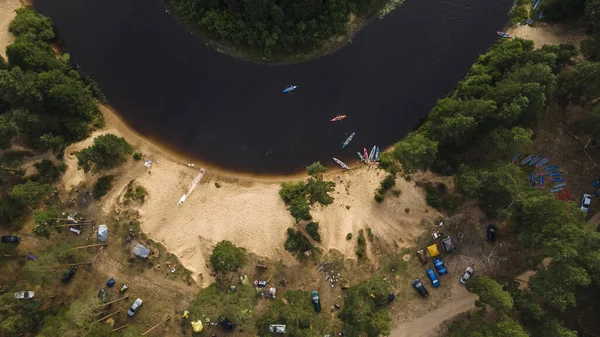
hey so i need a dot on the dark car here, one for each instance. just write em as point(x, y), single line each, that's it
point(316, 301)
point(66, 277)
point(11, 239)
point(420, 287)
point(490, 233)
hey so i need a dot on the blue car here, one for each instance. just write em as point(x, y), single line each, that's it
point(439, 266)
point(434, 280)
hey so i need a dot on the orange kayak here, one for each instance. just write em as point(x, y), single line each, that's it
point(338, 118)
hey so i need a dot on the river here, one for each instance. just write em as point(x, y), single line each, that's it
point(173, 88)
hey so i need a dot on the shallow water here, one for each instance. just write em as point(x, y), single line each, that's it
point(168, 85)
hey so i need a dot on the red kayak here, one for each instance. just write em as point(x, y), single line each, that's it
point(366, 155)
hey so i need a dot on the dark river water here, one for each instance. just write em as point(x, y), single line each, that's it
point(168, 85)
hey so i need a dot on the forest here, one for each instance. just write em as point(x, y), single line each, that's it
point(272, 27)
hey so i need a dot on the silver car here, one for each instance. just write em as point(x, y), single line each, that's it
point(586, 202)
point(25, 295)
point(467, 275)
point(135, 307)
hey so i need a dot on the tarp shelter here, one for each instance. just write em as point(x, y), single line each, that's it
point(197, 326)
point(141, 251)
point(102, 233)
point(111, 282)
point(448, 245)
point(433, 250)
point(277, 328)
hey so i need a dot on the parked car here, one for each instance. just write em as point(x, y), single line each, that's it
point(135, 307)
point(439, 266)
point(434, 280)
point(66, 277)
point(25, 295)
point(490, 231)
point(467, 275)
point(316, 301)
point(420, 287)
point(586, 202)
point(103, 296)
point(11, 239)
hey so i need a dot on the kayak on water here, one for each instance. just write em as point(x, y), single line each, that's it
point(372, 153)
point(504, 35)
point(526, 160)
point(541, 180)
point(341, 163)
point(290, 88)
point(532, 179)
point(377, 154)
point(348, 140)
point(366, 155)
point(516, 157)
point(535, 160)
point(338, 118)
point(550, 168)
point(542, 162)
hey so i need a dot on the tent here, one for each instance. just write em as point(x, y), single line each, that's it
point(197, 326)
point(141, 251)
point(433, 250)
point(448, 245)
point(422, 256)
point(102, 233)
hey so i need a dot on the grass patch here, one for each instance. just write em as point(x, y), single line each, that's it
point(135, 193)
point(370, 235)
point(102, 186)
point(312, 228)
point(361, 246)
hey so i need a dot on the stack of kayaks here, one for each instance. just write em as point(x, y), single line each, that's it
point(550, 172)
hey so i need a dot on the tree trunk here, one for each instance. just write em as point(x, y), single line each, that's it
point(154, 327)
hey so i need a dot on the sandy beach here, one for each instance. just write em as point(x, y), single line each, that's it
point(7, 13)
point(546, 34)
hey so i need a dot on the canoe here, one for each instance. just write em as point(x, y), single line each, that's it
point(557, 180)
point(377, 154)
point(541, 180)
point(542, 162)
point(535, 160)
point(504, 35)
point(550, 168)
point(366, 155)
point(361, 157)
point(348, 140)
point(341, 163)
point(338, 118)
point(532, 179)
point(554, 174)
point(372, 153)
point(560, 185)
point(554, 190)
point(516, 157)
point(526, 160)
point(290, 88)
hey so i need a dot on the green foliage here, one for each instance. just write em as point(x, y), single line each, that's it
point(46, 221)
point(102, 186)
point(582, 83)
point(364, 311)
point(316, 170)
point(349, 236)
point(52, 142)
point(137, 156)
point(30, 54)
point(297, 314)
point(503, 142)
point(378, 197)
point(557, 10)
point(30, 192)
point(433, 195)
point(299, 196)
point(227, 257)
point(8, 130)
point(592, 10)
point(108, 151)
point(29, 22)
point(590, 48)
point(135, 192)
point(479, 326)
point(388, 163)
point(387, 183)
point(296, 243)
point(75, 320)
point(518, 13)
point(48, 173)
point(558, 283)
point(312, 228)
point(490, 292)
point(361, 246)
point(415, 152)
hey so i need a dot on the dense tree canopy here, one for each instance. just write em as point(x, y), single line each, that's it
point(227, 257)
point(299, 196)
point(364, 310)
point(108, 151)
point(491, 293)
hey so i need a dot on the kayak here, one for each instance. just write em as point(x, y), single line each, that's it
point(516, 157)
point(348, 140)
point(532, 179)
point(377, 154)
point(541, 180)
point(560, 185)
point(542, 162)
point(338, 118)
point(554, 190)
point(504, 35)
point(361, 157)
point(526, 160)
point(550, 168)
point(372, 153)
point(535, 160)
point(557, 180)
point(290, 88)
point(366, 155)
point(554, 174)
point(341, 163)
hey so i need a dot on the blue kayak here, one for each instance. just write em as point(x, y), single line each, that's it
point(542, 162)
point(558, 180)
point(535, 160)
point(526, 160)
point(560, 185)
point(532, 179)
point(550, 168)
point(541, 180)
point(290, 88)
point(555, 174)
point(516, 157)
point(554, 190)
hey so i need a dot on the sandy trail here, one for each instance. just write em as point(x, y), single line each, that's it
point(7, 14)
point(546, 34)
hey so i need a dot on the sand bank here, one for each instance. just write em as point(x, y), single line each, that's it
point(7, 14)
point(546, 34)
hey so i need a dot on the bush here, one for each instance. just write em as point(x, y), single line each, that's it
point(388, 163)
point(227, 257)
point(370, 235)
point(108, 151)
point(378, 197)
point(312, 228)
point(349, 236)
point(135, 192)
point(217, 185)
point(361, 249)
point(102, 186)
point(48, 173)
point(137, 156)
point(296, 243)
point(432, 196)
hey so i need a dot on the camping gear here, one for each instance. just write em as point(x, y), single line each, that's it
point(338, 118)
point(111, 282)
point(526, 160)
point(541, 180)
point(542, 162)
point(102, 233)
point(348, 140)
point(433, 250)
point(390, 298)
point(261, 264)
point(516, 157)
point(550, 168)
point(372, 153)
point(147, 163)
point(260, 284)
point(141, 251)
point(123, 289)
point(436, 235)
point(532, 179)
point(422, 256)
point(31, 257)
point(448, 245)
point(186, 314)
point(535, 160)
point(339, 162)
point(197, 326)
point(290, 88)
point(361, 157)
point(272, 292)
point(75, 230)
point(504, 35)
